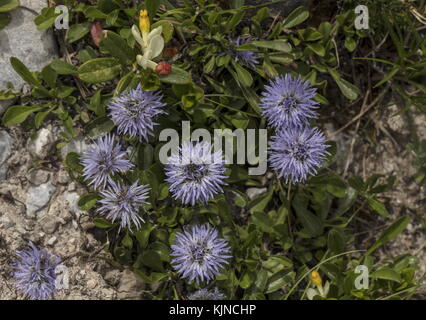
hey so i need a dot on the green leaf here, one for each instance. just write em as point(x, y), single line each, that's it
point(152, 259)
point(8, 5)
point(263, 221)
point(390, 233)
point(77, 31)
point(102, 223)
point(317, 47)
point(23, 72)
point(278, 45)
point(336, 241)
point(143, 234)
point(168, 29)
point(177, 76)
point(277, 281)
point(246, 280)
point(350, 44)
point(47, 18)
point(377, 207)
point(152, 7)
point(39, 118)
point(88, 201)
point(312, 223)
point(118, 48)
point(99, 70)
point(18, 114)
point(234, 21)
point(348, 89)
point(62, 67)
point(72, 160)
point(297, 16)
point(99, 127)
point(386, 274)
point(243, 75)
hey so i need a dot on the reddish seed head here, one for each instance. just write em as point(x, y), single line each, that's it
point(96, 32)
point(163, 68)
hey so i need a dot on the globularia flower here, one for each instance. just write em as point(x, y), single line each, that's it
point(249, 58)
point(135, 112)
point(288, 101)
point(199, 254)
point(122, 202)
point(297, 152)
point(35, 272)
point(103, 160)
point(204, 294)
point(195, 173)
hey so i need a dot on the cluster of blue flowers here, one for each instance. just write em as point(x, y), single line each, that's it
point(297, 150)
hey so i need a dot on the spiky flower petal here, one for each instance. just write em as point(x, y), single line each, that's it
point(205, 294)
point(35, 272)
point(247, 57)
point(122, 203)
point(134, 112)
point(199, 254)
point(195, 173)
point(288, 101)
point(103, 160)
point(296, 153)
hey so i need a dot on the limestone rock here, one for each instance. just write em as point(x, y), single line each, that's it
point(22, 40)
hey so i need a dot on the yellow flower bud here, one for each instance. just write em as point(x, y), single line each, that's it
point(316, 278)
point(144, 24)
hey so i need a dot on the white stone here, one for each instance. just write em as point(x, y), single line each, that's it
point(77, 145)
point(5, 146)
point(38, 197)
point(21, 39)
point(40, 146)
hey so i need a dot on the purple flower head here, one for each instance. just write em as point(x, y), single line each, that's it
point(103, 160)
point(297, 152)
point(288, 102)
point(205, 294)
point(195, 173)
point(248, 58)
point(123, 202)
point(35, 272)
point(199, 254)
point(134, 112)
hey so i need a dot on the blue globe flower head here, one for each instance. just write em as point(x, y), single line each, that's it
point(199, 254)
point(135, 111)
point(35, 272)
point(205, 294)
point(122, 203)
point(103, 160)
point(288, 101)
point(195, 173)
point(246, 57)
point(296, 153)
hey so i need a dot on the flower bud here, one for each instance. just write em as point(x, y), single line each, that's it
point(163, 68)
point(144, 24)
point(316, 278)
point(96, 32)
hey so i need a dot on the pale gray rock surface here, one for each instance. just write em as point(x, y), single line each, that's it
point(22, 40)
point(77, 145)
point(41, 145)
point(5, 151)
point(38, 197)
